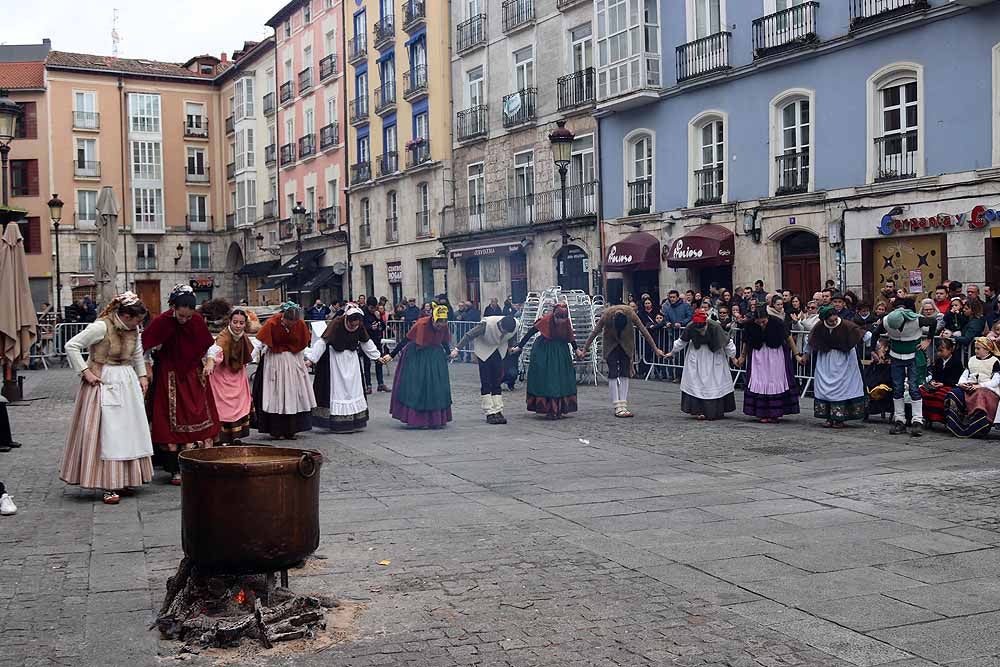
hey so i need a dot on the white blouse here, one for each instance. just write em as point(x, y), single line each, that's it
point(93, 334)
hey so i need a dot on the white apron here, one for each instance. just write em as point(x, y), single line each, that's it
point(124, 429)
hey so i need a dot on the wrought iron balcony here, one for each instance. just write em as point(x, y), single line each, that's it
point(473, 123)
point(415, 83)
point(270, 154)
point(866, 12)
point(361, 172)
point(793, 173)
point(576, 90)
point(196, 127)
point(359, 110)
point(230, 125)
point(329, 136)
point(529, 209)
point(269, 106)
point(329, 218)
point(418, 151)
point(85, 169)
point(270, 209)
point(286, 154)
point(519, 107)
point(231, 171)
point(307, 146)
point(392, 230)
point(385, 98)
point(414, 15)
point(285, 92)
point(470, 33)
point(327, 67)
point(640, 196)
point(196, 176)
point(357, 48)
point(305, 80)
point(385, 31)
point(517, 14)
point(365, 235)
point(200, 222)
point(388, 163)
point(709, 183)
point(703, 56)
point(785, 30)
point(896, 156)
point(86, 120)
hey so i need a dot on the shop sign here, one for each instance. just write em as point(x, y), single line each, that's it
point(614, 258)
point(395, 271)
point(979, 217)
point(206, 282)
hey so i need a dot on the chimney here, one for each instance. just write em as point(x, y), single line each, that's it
point(225, 57)
point(47, 41)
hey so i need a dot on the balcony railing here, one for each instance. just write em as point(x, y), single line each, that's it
point(327, 67)
point(270, 154)
point(784, 30)
point(196, 127)
point(365, 235)
point(361, 172)
point(286, 154)
point(864, 12)
point(305, 80)
point(423, 224)
point(329, 136)
point(285, 92)
point(415, 83)
point(576, 90)
point(269, 104)
point(388, 163)
point(709, 183)
point(385, 30)
point(85, 220)
point(471, 33)
point(270, 209)
point(896, 156)
point(517, 14)
point(231, 171)
point(196, 176)
point(199, 222)
point(392, 230)
point(385, 98)
point(793, 173)
point(417, 153)
point(531, 209)
point(86, 120)
point(703, 56)
point(357, 48)
point(359, 110)
point(473, 123)
point(149, 223)
point(640, 196)
point(86, 169)
point(307, 146)
point(519, 107)
point(329, 218)
point(230, 125)
point(414, 14)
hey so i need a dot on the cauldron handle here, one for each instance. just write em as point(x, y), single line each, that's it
point(307, 457)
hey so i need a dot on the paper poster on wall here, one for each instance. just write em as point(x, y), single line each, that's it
point(916, 282)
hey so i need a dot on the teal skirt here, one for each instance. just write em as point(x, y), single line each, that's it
point(421, 391)
point(551, 378)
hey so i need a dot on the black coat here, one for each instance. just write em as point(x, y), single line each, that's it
point(947, 374)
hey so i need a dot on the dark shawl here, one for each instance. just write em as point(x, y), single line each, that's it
point(774, 334)
point(844, 337)
point(554, 329)
point(714, 335)
point(340, 339)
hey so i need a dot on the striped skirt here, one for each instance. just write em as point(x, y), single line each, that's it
point(933, 400)
point(970, 415)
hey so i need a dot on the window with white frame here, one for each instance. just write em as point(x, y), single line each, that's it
point(145, 256)
point(704, 18)
point(522, 206)
point(147, 160)
point(366, 222)
point(709, 163)
point(200, 256)
point(289, 72)
point(582, 198)
point(85, 109)
point(88, 250)
point(307, 56)
point(196, 162)
point(628, 46)
point(639, 172)
point(246, 202)
point(195, 120)
point(477, 195)
point(791, 142)
point(330, 42)
point(86, 208)
point(423, 210)
point(244, 149)
point(144, 112)
point(288, 28)
point(896, 109)
point(307, 12)
point(243, 98)
point(474, 87)
point(86, 157)
point(148, 204)
point(197, 208)
point(391, 217)
point(524, 68)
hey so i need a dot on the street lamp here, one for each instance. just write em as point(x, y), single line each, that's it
point(562, 149)
point(10, 111)
point(55, 214)
point(179, 253)
point(260, 246)
point(299, 223)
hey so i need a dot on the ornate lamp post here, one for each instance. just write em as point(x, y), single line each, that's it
point(562, 149)
point(299, 223)
point(10, 111)
point(55, 214)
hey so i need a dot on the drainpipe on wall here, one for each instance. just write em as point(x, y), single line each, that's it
point(346, 173)
point(124, 150)
point(600, 207)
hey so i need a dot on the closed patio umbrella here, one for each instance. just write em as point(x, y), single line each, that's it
point(18, 323)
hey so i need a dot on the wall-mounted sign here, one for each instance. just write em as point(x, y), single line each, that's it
point(395, 272)
point(979, 217)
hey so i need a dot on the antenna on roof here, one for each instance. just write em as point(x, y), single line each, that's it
point(115, 39)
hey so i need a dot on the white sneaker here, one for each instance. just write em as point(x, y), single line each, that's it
point(7, 506)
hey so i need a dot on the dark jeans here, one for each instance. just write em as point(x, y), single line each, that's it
point(491, 375)
point(904, 371)
point(5, 436)
point(366, 376)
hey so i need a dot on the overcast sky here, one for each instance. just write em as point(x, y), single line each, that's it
point(169, 30)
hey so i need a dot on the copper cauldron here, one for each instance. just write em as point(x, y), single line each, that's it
point(249, 509)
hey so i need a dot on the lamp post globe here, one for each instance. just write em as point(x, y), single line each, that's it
point(55, 214)
point(299, 223)
point(562, 152)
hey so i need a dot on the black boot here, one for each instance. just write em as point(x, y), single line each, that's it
point(916, 429)
point(491, 419)
point(897, 428)
point(500, 419)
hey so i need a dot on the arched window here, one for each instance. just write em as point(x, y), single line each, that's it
point(639, 172)
point(895, 103)
point(707, 136)
point(391, 218)
point(792, 138)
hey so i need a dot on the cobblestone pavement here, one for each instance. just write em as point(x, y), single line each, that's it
point(592, 541)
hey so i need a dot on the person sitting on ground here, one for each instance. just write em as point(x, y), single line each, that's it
point(971, 406)
point(946, 372)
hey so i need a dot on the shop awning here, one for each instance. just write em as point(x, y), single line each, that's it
point(272, 283)
point(326, 276)
point(258, 269)
point(639, 251)
point(302, 261)
point(704, 247)
point(505, 248)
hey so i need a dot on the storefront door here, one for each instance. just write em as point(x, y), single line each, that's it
point(148, 292)
point(572, 269)
point(800, 273)
point(518, 277)
point(472, 279)
point(646, 282)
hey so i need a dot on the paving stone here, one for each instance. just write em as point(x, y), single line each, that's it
point(950, 567)
point(853, 647)
point(748, 568)
point(948, 640)
point(870, 612)
point(957, 598)
point(829, 585)
point(935, 543)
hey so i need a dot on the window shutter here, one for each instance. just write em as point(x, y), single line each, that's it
point(33, 236)
point(33, 179)
point(27, 124)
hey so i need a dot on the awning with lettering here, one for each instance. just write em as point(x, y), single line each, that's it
point(258, 269)
point(703, 247)
point(486, 250)
point(639, 251)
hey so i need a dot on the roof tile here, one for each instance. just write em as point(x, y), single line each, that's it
point(130, 65)
point(19, 76)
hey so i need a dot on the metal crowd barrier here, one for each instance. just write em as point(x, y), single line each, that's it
point(396, 330)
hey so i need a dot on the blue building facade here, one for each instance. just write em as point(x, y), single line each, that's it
point(768, 139)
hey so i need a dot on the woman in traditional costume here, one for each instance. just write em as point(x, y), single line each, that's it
point(109, 447)
point(225, 365)
point(183, 412)
point(838, 388)
point(971, 407)
point(946, 371)
point(551, 377)
point(282, 393)
point(340, 393)
point(421, 388)
point(707, 382)
point(768, 350)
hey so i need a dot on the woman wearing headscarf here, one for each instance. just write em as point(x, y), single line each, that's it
point(551, 378)
point(771, 390)
point(971, 407)
point(838, 389)
point(421, 388)
point(617, 328)
point(707, 382)
point(109, 447)
point(282, 393)
point(226, 367)
point(183, 411)
point(340, 393)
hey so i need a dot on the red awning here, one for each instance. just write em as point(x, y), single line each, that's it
point(639, 251)
point(701, 248)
